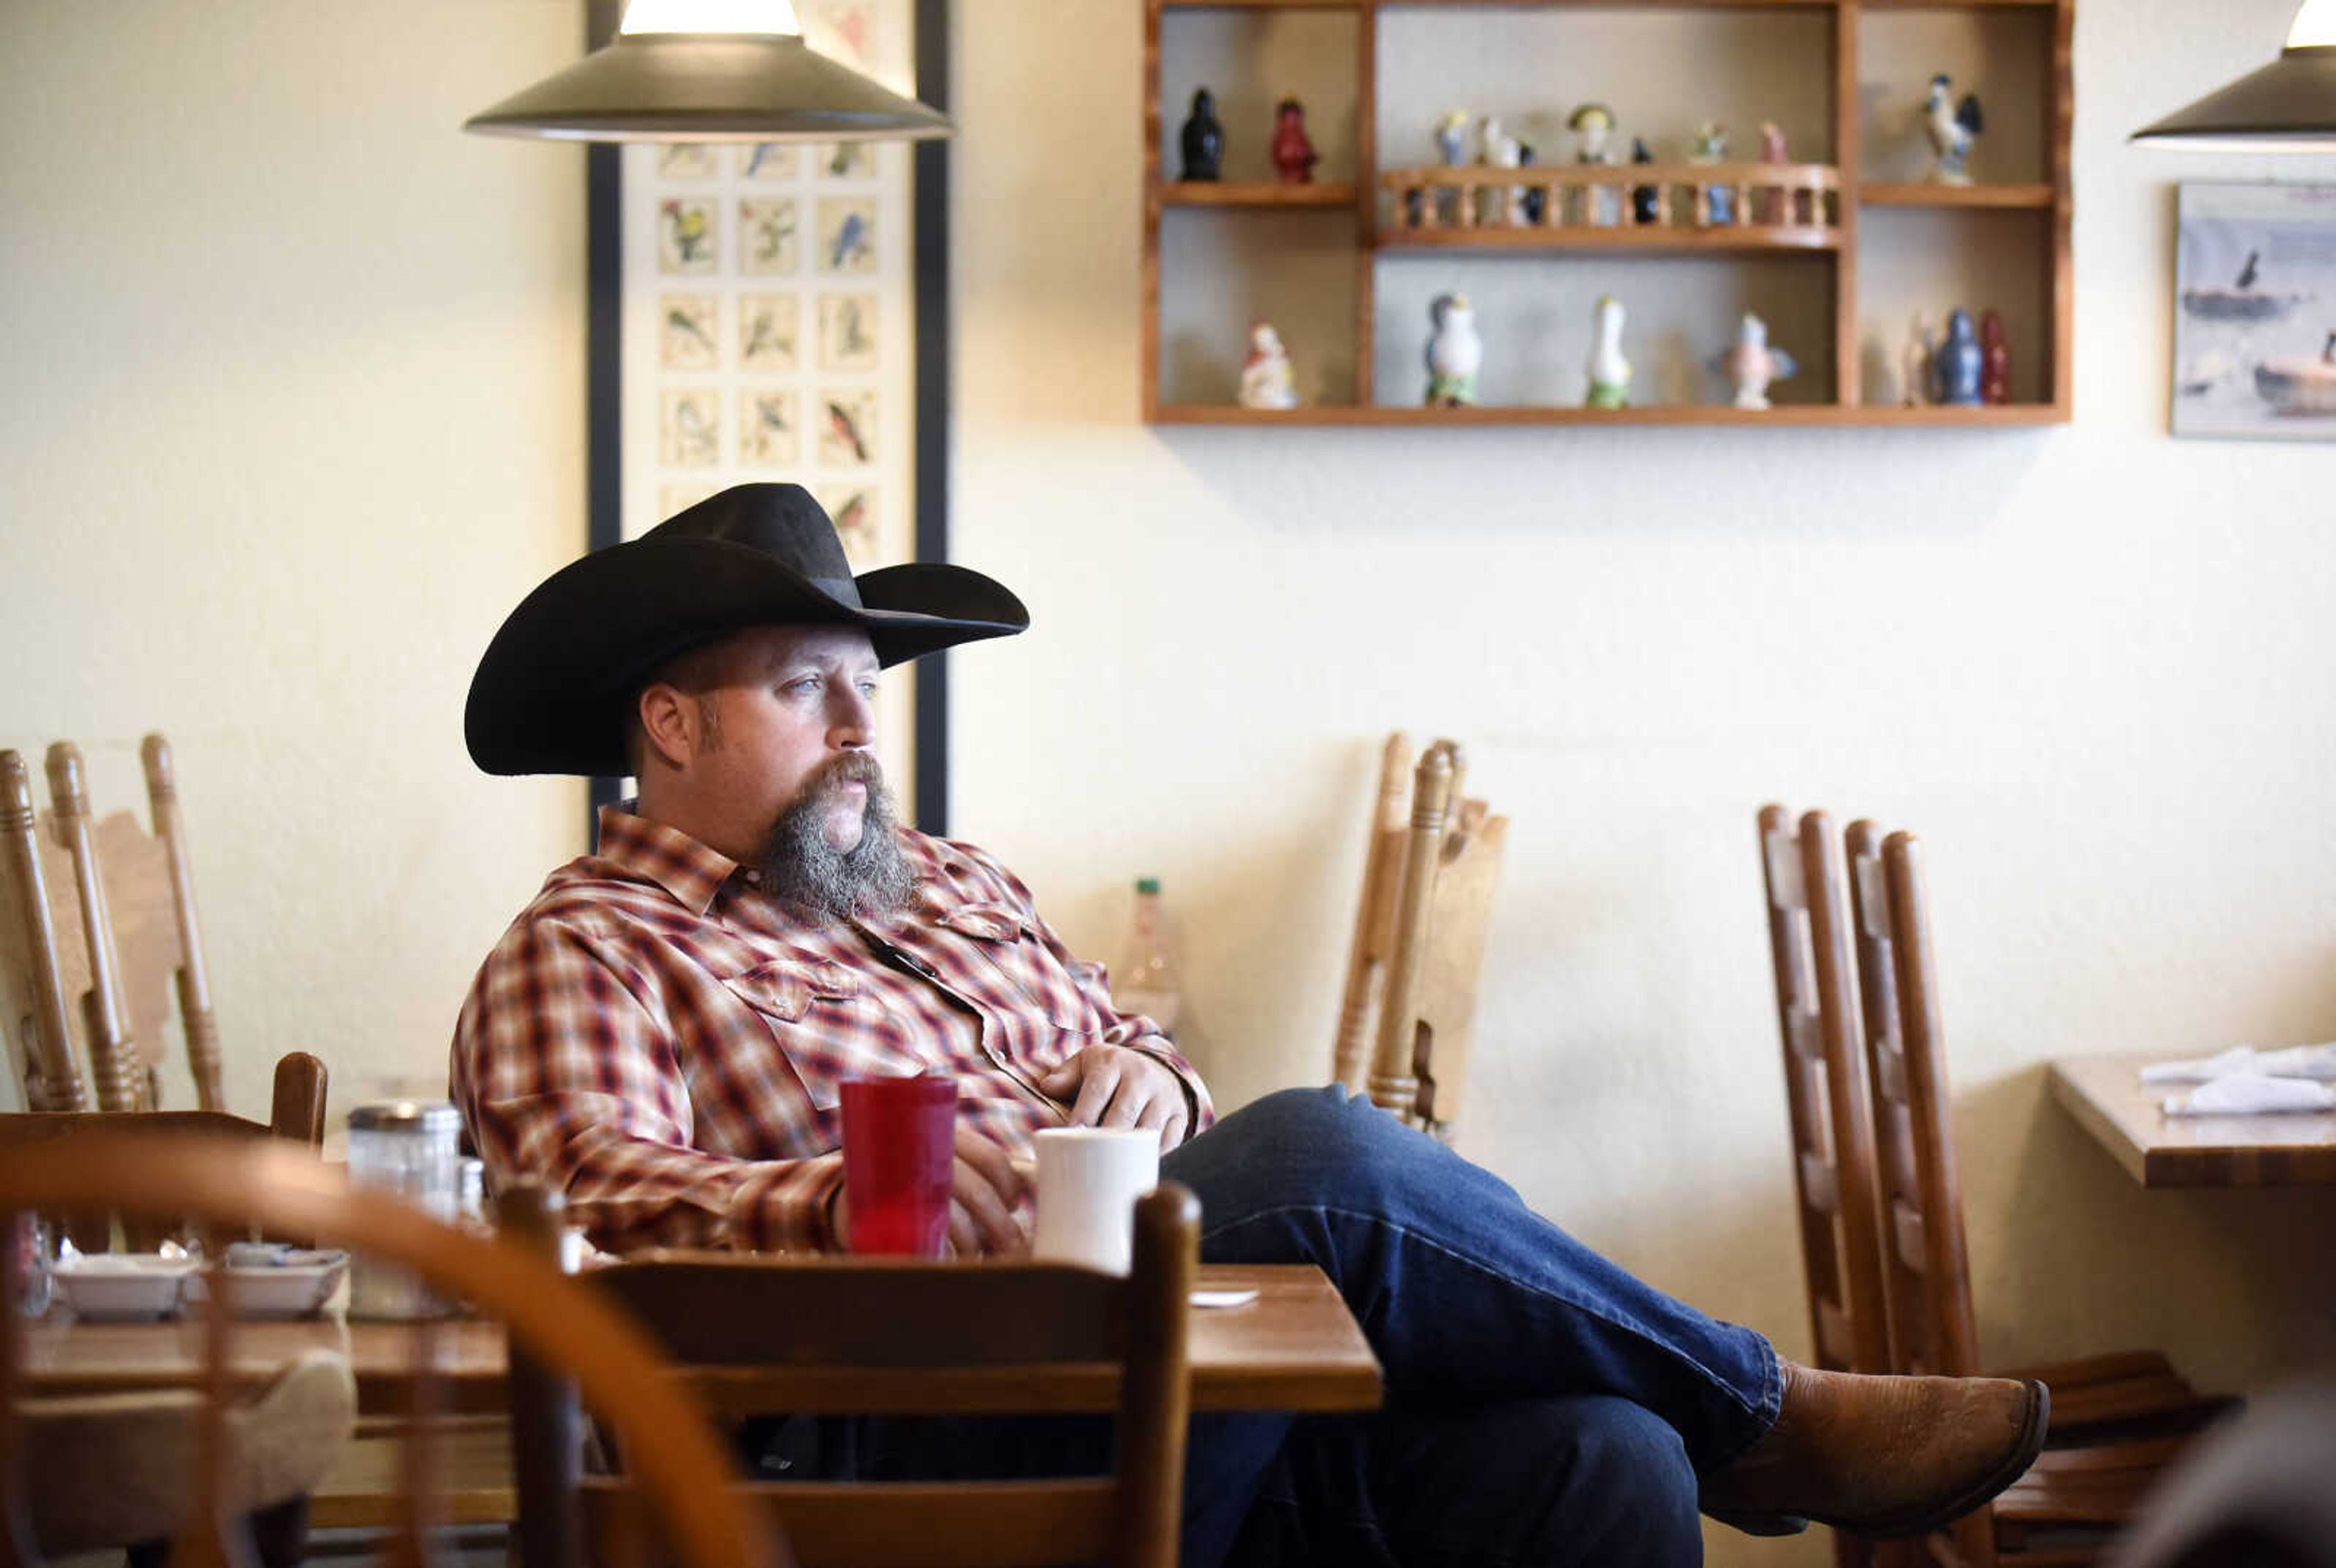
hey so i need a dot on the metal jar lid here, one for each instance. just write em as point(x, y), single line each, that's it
point(428, 1117)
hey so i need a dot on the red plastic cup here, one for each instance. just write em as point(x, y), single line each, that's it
point(899, 1146)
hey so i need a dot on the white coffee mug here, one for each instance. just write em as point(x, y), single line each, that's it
point(1088, 1180)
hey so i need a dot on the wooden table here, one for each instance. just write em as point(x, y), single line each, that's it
point(2106, 1095)
point(1295, 1347)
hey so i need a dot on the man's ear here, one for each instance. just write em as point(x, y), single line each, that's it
point(669, 719)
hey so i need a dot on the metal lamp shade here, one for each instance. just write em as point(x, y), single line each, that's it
point(709, 87)
point(2288, 106)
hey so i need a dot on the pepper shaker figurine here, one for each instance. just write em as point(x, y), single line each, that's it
point(1293, 151)
point(1592, 125)
point(1914, 364)
point(1959, 367)
point(1266, 381)
point(1751, 362)
point(1609, 372)
point(1768, 204)
point(1995, 361)
point(1646, 201)
point(1203, 139)
point(1719, 200)
point(1454, 353)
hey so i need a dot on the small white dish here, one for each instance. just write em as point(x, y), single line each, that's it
point(276, 1282)
point(123, 1286)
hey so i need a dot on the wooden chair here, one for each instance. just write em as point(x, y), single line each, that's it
point(1418, 947)
point(2117, 1420)
point(558, 1328)
point(1824, 1099)
point(103, 924)
point(835, 1336)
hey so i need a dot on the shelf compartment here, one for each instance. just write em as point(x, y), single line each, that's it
point(1933, 194)
point(1817, 414)
point(1739, 238)
point(1255, 193)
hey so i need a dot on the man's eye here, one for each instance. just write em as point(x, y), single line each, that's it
point(801, 683)
point(868, 689)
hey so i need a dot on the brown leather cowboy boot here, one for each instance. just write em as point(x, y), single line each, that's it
point(1883, 1456)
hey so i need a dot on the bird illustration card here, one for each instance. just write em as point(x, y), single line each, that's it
point(767, 429)
point(687, 234)
point(686, 327)
point(847, 332)
point(848, 160)
point(686, 161)
point(847, 234)
point(767, 235)
point(689, 428)
point(852, 509)
point(768, 160)
point(847, 427)
point(766, 332)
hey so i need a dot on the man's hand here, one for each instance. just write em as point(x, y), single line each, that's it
point(1119, 1087)
point(984, 1187)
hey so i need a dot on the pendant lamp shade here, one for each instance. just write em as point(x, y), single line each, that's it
point(2288, 106)
point(710, 85)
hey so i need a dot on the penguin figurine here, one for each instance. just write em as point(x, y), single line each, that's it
point(1646, 202)
point(1203, 139)
point(1609, 372)
point(1995, 361)
point(1454, 353)
point(1958, 367)
point(1293, 151)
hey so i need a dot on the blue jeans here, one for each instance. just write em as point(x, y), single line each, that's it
point(1542, 1406)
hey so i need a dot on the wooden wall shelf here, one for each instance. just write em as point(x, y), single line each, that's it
point(1255, 193)
point(1402, 216)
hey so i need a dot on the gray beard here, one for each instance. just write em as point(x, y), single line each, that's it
point(802, 868)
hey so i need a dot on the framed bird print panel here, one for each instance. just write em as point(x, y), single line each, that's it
point(2254, 349)
point(777, 312)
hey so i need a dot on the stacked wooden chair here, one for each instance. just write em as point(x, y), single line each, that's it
point(1881, 1208)
point(900, 1337)
point(560, 1330)
point(100, 939)
point(1428, 881)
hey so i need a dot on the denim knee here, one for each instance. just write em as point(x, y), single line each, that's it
point(1305, 1145)
point(1629, 1491)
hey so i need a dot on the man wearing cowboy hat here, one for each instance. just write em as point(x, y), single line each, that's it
point(660, 1035)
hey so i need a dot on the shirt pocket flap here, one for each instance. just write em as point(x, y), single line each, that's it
point(784, 989)
point(985, 922)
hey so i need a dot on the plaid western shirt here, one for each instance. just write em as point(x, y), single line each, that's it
point(662, 1040)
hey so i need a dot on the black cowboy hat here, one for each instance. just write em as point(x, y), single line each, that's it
point(551, 693)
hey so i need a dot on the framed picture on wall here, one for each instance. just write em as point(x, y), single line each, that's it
point(778, 311)
point(2254, 312)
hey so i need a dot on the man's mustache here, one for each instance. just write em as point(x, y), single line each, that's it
point(851, 767)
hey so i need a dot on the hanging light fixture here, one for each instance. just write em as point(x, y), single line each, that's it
point(709, 70)
point(2288, 106)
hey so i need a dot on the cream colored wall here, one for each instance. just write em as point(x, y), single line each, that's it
point(2090, 665)
point(292, 412)
point(293, 409)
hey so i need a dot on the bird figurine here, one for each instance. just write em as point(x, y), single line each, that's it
point(1995, 361)
point(1293, 151)
point(1454, 353)
point(1646, 200)
point(1953, 128)
point(1202, 140)
point(1958, 367)
point(1266, 381)
point(1914, 364)
point(1609, 372)
point(1750, 364)
point(1499, 149)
